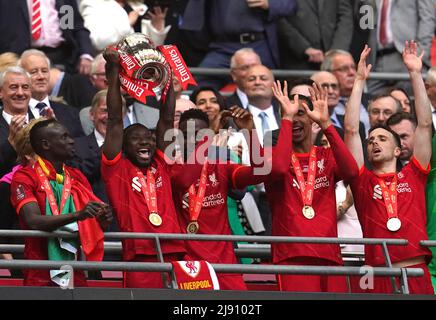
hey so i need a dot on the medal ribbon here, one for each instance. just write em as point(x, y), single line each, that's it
point(196, 200)
point(66, 189)
point(148, 190)
point(306, 188)
point(390, 197)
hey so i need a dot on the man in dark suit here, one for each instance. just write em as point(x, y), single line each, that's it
point(342, 65)
point(61, 35)
point(316, 27)
point(240, 63)
point(15, 94)
point(36, 63)
point(258, 87)
point(88, 153)
point(235, 24)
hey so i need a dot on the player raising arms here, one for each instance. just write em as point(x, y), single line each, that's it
point(391, 204)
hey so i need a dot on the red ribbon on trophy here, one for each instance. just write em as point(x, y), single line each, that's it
point(147, 71)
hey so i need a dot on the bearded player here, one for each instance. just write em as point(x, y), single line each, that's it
point(391, 204)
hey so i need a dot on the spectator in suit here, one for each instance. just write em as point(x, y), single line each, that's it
point(37, 64)
point(404, 124)
point(395, 22)
point(234, 24)
point(68, 47)
point(258, 87)
point(15, 93)
point(76, 89)
point(328, 81)
point(88, 153)
point(342, 65)
point(316, 27)
point(240, 62)
point(381, 108)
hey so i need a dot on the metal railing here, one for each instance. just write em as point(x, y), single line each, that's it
point(300, 73)
point(388, 271)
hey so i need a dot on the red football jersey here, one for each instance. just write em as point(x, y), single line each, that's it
point(286, 205)
point(26, 188)
point(126, 197)
point(213, 218)
point(411, 211)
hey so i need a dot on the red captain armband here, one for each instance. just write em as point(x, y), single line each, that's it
point(110, 162)
point(419, 165)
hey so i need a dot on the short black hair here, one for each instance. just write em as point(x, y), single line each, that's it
point(219, 97)
point(396, 118)
point(385, 127)
point(37, 133)
point(292, 83)
point(194, 114)
point(128, 131)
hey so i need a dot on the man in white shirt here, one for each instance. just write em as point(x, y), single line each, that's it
point(36, 63)
point(258, 87)
point(15, 95)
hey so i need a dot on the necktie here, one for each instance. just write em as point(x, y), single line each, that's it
point(36, 19)
point(41, 108)
point(264, 121)
point(383, 35)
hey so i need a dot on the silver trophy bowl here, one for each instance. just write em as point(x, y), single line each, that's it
point(154, 67)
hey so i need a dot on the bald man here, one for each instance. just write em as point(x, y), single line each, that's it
point(240, 63)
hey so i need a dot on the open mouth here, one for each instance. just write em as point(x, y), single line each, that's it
point(144, 154)
point(376, 151)
point(297, 130)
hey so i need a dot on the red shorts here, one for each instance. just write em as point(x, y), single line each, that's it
point(417, 285)
point(310, 283)
point(149, 279)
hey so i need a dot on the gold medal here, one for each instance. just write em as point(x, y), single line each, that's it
point(308, 212)
point(193, 227)
point(155, 219)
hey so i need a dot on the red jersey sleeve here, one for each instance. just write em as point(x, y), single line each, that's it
point(243, 176)
point(109, 167)
point(22, 189)
point(346, 166)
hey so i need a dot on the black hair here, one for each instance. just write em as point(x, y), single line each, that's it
point(385, 127)
point(194, 114)
point(219, 97)
point(396, 118)
point(292, 83)
point(37, 133)
point(128, 131)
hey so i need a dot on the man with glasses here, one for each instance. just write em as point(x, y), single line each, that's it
point(342, 65)
point(381, 108)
